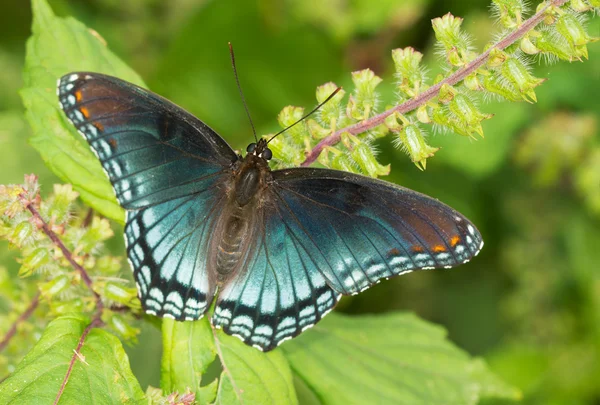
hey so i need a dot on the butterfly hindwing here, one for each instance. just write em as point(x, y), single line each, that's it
point(280, 295)
point(167, 246)
point(165, 167)
point(359, 230)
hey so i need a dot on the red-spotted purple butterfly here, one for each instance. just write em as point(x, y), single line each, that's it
point(276, 248)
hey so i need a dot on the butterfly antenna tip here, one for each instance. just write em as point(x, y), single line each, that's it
point(237, 81)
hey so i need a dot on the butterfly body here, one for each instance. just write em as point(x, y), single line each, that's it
point(236, 225)
point(275, 249)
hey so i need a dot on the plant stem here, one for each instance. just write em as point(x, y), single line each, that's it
point(432, 92)
point(66, 253)
point(97, 319)
point(95, 322)
point(24, 316)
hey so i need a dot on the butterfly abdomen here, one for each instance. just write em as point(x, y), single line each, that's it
point(238, 219)
point(231, 245)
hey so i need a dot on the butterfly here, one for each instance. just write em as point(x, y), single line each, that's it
point(276, 249)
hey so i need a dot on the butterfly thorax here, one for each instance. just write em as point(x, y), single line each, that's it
point(238, 219)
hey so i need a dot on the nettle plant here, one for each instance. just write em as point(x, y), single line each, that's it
point(73, 304)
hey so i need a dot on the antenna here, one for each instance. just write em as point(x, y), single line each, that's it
point(307, 115)
point(237, 80)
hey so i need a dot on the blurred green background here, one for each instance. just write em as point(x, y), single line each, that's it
point(530, 303)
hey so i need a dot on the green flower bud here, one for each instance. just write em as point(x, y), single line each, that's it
point(341, 161)
point(391, 121)
point(447, 31)
point(580, 6)
point(364, 100)
point(363, 155)
point(22, 233)
point(471, 82)
point(467, 114)
point(413, 141)
point(55, 286)
point(572, 30)
point(510, 12)
point(422, 115)
point(119, 293)
point(493, 83)
point(517, 74)
point(98, 231)
point(65, 307)
point(410, 75)
point(287, 117)
point(552, 43)
point(331, 111)
point(497, 58)
point(446, 94)
point(286, 151)
point(528, 47)
point(33, 261)
point(60, 203)
point(122, 327)
point(317, 131)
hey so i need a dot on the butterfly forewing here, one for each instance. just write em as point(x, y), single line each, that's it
point(151, 149)
point(359, 230)
point(166, 167)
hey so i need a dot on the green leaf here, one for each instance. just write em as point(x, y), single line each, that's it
point(188, 350)
point(248, 376)
point(394, 358)
point(59, 46)
point(104, 377)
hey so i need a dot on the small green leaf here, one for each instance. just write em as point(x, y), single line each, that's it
point(248, 377)
point(188, 350)
point(104, 377)
point(395, 358)
point(253, 377)
point(59, 46)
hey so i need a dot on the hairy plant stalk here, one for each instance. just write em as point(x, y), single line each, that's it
point(432, 92)
point(22, 318)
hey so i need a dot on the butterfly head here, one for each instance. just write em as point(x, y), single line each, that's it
point(260, 149)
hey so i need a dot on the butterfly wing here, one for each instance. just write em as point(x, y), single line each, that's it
point(329, 233)
point(165, 167)
point(279, 295)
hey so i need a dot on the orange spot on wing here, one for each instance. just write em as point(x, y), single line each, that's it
point(85, 112)
point(439, 248)
point(78, 95)
point(417, 248)
point(394, 252)
point(99, 126)
point(454, 240)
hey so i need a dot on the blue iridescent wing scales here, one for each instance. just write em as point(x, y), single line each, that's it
point(279, 295)
point(361, 230)
point(327, 234)
point(165, 166)
point(151, 149)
